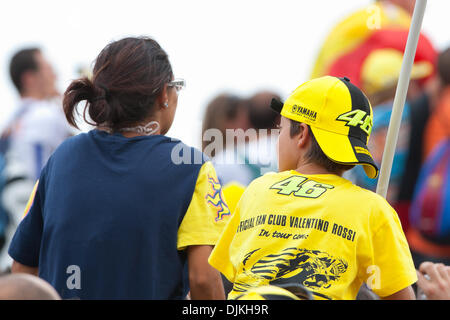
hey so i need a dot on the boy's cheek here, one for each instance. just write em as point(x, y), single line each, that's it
point(280, 154)
point(278, 151)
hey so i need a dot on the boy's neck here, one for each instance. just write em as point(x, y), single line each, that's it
point(312, 168)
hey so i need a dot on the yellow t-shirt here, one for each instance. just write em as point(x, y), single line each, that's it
point(317, 230)
point(207, 213)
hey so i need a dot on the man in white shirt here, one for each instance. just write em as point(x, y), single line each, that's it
point(35, 130)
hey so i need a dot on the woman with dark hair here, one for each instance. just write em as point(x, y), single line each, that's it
point(115, 215)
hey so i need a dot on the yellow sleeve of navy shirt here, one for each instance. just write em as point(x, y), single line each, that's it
point(207, 213)
point(30, 200)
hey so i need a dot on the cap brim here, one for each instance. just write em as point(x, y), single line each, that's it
point(276, 105)
point(346, 150)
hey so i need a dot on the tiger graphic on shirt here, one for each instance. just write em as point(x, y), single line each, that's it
point(311, 268)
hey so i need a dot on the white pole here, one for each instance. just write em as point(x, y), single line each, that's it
point(400, 97)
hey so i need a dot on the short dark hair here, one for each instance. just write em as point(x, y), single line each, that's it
point(315, 153)
point(261, 116)
point(22, 61)
point(129, 74)
point(221, 109)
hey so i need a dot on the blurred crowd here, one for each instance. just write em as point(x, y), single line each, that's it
point(239, 133)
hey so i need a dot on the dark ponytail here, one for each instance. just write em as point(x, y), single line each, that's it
point(79, 90)
point(129, 74)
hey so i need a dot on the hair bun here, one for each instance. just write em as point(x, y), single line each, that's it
point(135, 70)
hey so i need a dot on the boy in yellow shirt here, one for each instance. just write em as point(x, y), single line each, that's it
point(307, 224)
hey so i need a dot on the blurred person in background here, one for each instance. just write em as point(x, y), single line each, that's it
point(357, 27)
point(35, 130)
point(225, 111)
point(247, 151)
point(113, 207)
point(437, 126)
point(265, 121)
point(387, 44)
point(429, 234)
point(248, 145)
point(362, 40)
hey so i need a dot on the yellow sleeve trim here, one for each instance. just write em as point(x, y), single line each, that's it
point(207, 213)
point(30, 200)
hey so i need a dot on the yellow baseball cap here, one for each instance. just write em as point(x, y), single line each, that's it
point(340, 117)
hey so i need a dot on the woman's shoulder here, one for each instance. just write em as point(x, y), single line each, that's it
point(183, 154)
point(166, 149)
point(75, 140)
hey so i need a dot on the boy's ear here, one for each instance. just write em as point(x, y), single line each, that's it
point(303, 136)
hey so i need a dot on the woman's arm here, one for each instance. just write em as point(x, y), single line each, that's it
point(205, 281)
point(21, 268)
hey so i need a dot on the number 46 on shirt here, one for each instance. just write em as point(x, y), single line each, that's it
point(301, 187)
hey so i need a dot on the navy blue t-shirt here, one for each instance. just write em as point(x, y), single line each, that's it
point(108, 208)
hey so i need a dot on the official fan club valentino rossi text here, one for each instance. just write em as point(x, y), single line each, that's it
point(300, 187)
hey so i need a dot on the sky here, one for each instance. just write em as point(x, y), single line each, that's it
point(232, 46)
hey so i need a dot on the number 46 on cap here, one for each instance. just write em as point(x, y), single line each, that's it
point(356, 118)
